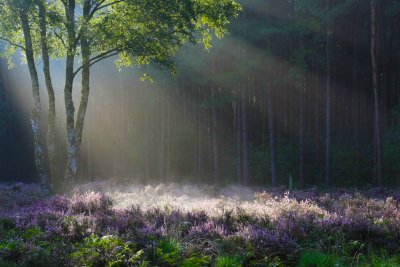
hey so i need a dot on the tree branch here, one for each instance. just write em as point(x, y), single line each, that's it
point(99, 6)
point(12, 43)
point(98, 58)
point(59, 37)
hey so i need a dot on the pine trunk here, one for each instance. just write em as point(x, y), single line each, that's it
point(200, 164)
point(301, 135)
point(215, 145)
point(237, 133)
point(328, 104)
point(245, 139)
point(374, 62)
point(146, 144)
point(161, 161)
point(272, 146)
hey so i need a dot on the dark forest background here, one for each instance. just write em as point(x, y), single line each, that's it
point(286, 99)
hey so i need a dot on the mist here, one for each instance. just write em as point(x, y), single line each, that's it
point(251, 110)
point(161, 130)
point(199, 133)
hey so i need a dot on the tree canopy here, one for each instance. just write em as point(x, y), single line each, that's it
point(138, 32)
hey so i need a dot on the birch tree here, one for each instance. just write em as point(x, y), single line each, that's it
point(138, 32)
point(17, 31)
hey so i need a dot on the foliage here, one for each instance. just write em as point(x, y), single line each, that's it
point(169, 252)
point(318, 259)
point(25, 248)
point(229, 261)
point(245, 228)
point(380, 259)
point(108, 251)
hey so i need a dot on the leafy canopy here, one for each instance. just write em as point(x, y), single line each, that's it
point(139, 31)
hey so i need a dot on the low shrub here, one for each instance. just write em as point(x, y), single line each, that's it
point(229, 261)
point(108, 251)
point(318, 259)
point(162, 228)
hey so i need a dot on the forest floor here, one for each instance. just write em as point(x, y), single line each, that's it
point(106, 224)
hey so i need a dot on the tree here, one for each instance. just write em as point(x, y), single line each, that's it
point(139, 32)
point(375, 86)
point(272, 143)
point(15, 18)
point(44, 10)
point(328, 105)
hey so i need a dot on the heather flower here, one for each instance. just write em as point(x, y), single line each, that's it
point(260, 225)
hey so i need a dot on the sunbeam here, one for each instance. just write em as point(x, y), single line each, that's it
point(199, 133)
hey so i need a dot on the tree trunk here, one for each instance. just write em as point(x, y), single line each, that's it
point(51, 129)
point(237, 138)
point(72, 163)
point(70, 115)
point(301, 134)
point(328, 105)
point(80, 119)
point(215, 145)
point(200, 164)
point(374, 62)
point(146, 143)
point(75, 130)
point(168, 156)
point(161, 162)
point(36, 111)
point(245, 139)
point(89, 161)
point(272, 146)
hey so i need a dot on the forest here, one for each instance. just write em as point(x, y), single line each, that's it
point(199, 133)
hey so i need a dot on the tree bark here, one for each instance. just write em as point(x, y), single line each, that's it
point(36, 111)
point(237, 138)
point(51, 128)
point(272, 146)
point(375, 81)
point(301, 134)
point(146, 143)
point(215, 145)
point(200, 164)
point(245, 139)
point(85, 49)
point(75, 129)
point(328, 104)
point(72, 163)
point(168, 156)
point(161, 158)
